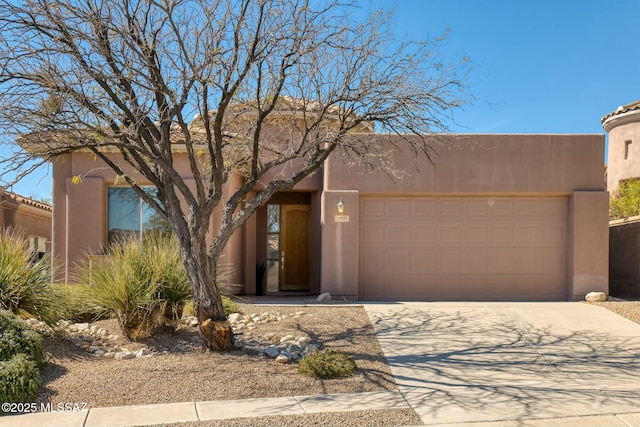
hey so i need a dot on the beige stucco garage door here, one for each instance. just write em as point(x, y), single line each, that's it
point(464, 248)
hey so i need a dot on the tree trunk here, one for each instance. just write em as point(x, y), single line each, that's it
point(214, 328)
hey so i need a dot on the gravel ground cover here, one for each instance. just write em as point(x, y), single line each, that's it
point(74, 375)
point(627, 309)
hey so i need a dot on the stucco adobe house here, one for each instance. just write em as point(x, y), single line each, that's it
point(499, 217)
point(30, 217)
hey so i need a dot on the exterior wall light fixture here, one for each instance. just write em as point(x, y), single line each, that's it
point(340, 206)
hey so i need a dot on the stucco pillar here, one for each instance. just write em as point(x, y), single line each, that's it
point(232, 254)
point(588, 261)
point(249, 240)
point(61, 170)
point(340, 243)
point(85, 219)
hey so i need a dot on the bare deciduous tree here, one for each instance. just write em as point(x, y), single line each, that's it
point(263, 90)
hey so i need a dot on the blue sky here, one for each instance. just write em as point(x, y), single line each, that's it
point(543, 66)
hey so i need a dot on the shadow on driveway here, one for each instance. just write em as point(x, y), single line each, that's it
point(478, 362)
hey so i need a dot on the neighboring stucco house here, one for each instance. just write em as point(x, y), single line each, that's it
point(623, 162)
point(623, 156)
point(30, 217)
point(499, 217)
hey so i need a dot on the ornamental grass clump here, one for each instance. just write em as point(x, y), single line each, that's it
point(20, 359)
point(25, 282)
point(145, 285)
point(327, 364)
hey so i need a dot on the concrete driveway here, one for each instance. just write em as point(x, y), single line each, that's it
point(473, 362)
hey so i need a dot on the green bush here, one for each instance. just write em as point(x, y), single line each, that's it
point(73, 303)
point(24, 283)
point(146, 285)
point(229, 305)
point(16, 337)
point(625, 202)
point(20, 358)
point(327, 364)
point(20, 379)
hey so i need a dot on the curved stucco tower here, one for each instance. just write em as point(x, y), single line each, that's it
point(623, 159)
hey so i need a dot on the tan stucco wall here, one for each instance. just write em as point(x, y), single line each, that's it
point(28, 219)
point(465, 165)
point(340, 243)
point(588, 266)
point(501, 165)
point(485, 164)
point(80, 210)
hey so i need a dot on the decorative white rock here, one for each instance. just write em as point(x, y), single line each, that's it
point(287, 338)
point(324, 297)
point(143, 352)
point(81, 326)
point(304, 341)
point(282, 359)
point(124, 355)
point(234, 317)
point(596, 297)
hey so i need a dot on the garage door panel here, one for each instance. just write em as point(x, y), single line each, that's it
point(424, 207)
point(552, 263)
point(476, 207)
point(372, 207)
point(448, 207)
point(424, 261)
point(500, 234)
point(500, 207)
point(475, 234)
point(398, 261)
point(553, 207)
point(553, 235)
point(463, 248)
point(448, 262)
point(372, 260)
point(424, 234)
point(372, 234)
point(526, 235)
point(526, 207)
point(474, 262)
point(399, 234)
point(449, 234)
point(399, 208)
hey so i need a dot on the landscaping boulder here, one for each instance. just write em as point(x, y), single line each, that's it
point(596, 297)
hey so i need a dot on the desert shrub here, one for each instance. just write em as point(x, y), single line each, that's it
point(24, 282)
point(73, 303)
point(625, 201)
point(229, 305)
point(327, 364)
point(16, 337)
point(145, 285)
point(20, 379)
point(20, 357)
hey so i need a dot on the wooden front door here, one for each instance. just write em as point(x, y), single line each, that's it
point(295, 245)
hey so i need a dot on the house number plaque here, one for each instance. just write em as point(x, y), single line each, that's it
point(342, 218)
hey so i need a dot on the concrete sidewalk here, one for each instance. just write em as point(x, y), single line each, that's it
point(213, 410)
point(496, 364)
